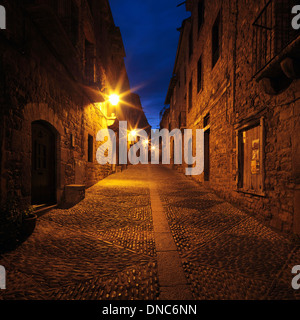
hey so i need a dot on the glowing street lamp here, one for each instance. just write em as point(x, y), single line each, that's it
point(133, 133)
point(114, 99)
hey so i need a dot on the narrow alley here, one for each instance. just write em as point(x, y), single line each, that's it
point(150, 233)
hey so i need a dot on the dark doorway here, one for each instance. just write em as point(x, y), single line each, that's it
point(43, 165)
point(206, 155)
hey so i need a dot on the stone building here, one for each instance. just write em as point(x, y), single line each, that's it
point(59, 62)
point(165, 116)
point(236, 75)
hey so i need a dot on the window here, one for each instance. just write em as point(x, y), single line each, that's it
point(272, 32)
point(90, 148)
point(206, 120)
point(216, 40)
point(182, 119)
point(199, 75)
point(200, 14)
point(191, 93)
point(191, 44)
point(250, 158)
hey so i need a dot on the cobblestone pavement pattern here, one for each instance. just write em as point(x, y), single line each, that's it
point(104, 248)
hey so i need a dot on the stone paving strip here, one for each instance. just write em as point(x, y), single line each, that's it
point(171, 276)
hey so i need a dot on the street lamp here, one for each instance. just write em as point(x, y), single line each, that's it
point(133, 133)
point(114, 99)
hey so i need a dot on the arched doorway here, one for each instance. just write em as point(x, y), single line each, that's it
point(43, 164)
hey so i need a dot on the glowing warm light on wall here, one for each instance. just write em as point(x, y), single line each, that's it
point(153, 148)
point(146, 142)
point(133, 133)
point(114, 99)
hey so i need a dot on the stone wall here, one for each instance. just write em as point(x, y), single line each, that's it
point(281, 114)
point(42, 79)
point(232, 97)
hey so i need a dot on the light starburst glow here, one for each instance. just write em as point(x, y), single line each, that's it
point(114, 99)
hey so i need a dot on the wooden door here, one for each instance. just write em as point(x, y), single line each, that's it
point(43, 165)
point(252, 160)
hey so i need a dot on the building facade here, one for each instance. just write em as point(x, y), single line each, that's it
point(236, 76)
point(59, 62)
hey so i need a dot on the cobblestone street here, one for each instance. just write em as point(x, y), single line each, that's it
point(106, 248)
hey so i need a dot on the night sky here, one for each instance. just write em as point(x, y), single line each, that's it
point(150, 38)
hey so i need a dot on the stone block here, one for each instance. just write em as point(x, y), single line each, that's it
point(74, 193)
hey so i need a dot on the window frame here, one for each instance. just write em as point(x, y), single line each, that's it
point(260, 122)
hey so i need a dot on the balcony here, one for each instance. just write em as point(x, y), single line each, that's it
point(276, 47)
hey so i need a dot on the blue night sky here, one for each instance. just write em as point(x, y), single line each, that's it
point(150, 38)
